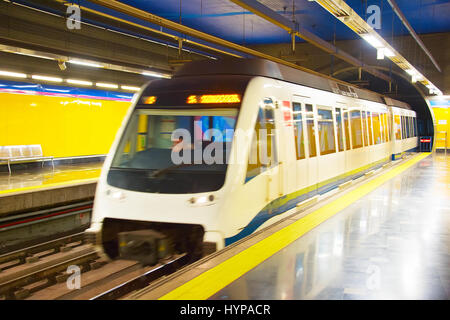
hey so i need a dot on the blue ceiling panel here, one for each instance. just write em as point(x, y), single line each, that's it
point(224, 19)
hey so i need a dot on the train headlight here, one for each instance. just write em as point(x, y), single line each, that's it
point(202, 201)
point(119, 195)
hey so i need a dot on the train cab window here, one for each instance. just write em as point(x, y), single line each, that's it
point(347, 130)
point(364, 128)
point(339, 127)
point(326, 131)
point(174, 151)
point(311, 130)
point(263, 151)
point(369, 127)
point(298, 130)
point(376, 127)
point(397, 127)
point(356, 129)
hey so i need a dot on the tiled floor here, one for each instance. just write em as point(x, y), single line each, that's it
point(35, 177)
point(393, 243)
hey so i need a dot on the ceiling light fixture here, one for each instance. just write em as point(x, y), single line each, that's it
point(154, 74)
point(130, 88)
point(79, 82)
point(107, 85)
point(86, 63)
point(12, 74)
point(46, 78)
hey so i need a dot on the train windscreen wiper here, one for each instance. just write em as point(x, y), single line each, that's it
point(170, 168)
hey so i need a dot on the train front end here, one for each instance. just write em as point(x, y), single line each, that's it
point(162, 185)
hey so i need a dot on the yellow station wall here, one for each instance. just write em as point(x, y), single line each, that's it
point(442, 118)
point(64, 127)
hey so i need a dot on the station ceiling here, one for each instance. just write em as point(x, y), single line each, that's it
point(223, 19)
point(231, 22)
point(115, 38)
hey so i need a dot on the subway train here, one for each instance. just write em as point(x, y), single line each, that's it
point(226, 148)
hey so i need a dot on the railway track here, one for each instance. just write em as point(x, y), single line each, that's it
point(30, 228)
point(41, 272)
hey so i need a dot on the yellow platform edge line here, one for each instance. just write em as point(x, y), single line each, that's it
point(211, 281)
point(50, 185)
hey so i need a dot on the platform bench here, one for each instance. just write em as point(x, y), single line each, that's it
point(21, 154)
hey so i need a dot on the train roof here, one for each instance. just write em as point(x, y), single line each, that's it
point(270, 69)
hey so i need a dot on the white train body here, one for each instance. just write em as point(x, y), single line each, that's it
point(249, 200)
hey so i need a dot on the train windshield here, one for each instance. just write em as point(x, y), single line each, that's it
point(174, 151)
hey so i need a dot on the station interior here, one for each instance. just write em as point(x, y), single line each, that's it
point(360, 211)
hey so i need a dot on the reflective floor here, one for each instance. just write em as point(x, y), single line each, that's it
point(43, 177)
point(393, 243)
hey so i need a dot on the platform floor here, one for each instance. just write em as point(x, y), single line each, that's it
point(393, 243)
point(42, 178)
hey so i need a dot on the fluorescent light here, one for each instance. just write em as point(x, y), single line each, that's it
point(131, 88)
point(411, 71)
point(388, 53)
point(374, 42)
point(153, 74)
point(380, 54)
point(107, 85)
point(46, 78)
point(12, 74)
point(79, 82)
point(86, 63)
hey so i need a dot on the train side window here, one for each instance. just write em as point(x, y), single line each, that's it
point(408, 135)
point(311, 130)
point(298, 130)
point(403, 128)
point(397, 127)
point(263, 150)
point(415, 126)
point(347, 130)
point(376, 127)
point(383, 127)
point(340, 133)
point(326, 131)
point(411, 127)
point(364, 128)
point(369, 127)
point(388, 126)
point(356, 129)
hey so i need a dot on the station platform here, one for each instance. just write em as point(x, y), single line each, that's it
point(387, 237)
point(40, 187)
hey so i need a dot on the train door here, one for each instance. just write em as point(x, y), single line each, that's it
point(270, 123)
point(263, 158)
point(347, 136)
point(311, 170)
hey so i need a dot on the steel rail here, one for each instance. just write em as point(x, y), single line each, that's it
point(143, 280)
point(33, 216)
point(22, 254)
point(8, 287)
